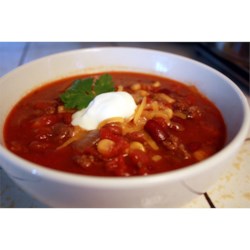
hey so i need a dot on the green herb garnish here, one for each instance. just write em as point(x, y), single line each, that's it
point(83, 91)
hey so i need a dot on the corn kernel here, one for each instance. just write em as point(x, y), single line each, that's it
point(155, 106)
point(180, 115)
point(200, 155)
point(136, 86)
point(169, 112)
point(136, 145)
point(144, 93)
point(105, 146)
point(156, 158)
point(164, 97)
point(156, 84)
point(120, 88)
point(61, 109)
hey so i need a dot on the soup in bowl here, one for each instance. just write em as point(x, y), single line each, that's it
point(118, 127)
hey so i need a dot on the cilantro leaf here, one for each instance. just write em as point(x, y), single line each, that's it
point(104, 84)
point(79, 95)
point(83, 91)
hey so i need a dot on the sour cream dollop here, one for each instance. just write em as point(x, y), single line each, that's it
point(102, 107)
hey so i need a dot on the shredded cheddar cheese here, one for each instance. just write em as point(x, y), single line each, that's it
point(164, 97)
point(150, 141)
point(139, 110)
point(110, 120)
point(77, 134)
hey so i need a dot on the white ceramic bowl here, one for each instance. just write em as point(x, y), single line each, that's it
point(172, 189)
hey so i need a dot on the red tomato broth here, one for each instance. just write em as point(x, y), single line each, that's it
point(35, 130)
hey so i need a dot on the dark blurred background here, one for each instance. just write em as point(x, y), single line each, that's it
point(230, 58)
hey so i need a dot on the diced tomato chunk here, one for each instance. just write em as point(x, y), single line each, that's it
point(117, 166)
point(67, 117)
point(113, 132)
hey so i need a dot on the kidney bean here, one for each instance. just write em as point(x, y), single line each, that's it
point(136, 136)
point(117, 166)
point(155, 131)
point(162, 122)
point(110, 129)
point(176, 126)
point(172, 143)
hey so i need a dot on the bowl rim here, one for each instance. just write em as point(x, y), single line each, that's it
point(131, 181)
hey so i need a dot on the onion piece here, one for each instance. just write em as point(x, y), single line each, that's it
point(87, 140)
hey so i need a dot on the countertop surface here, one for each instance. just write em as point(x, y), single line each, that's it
point(232, 190)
